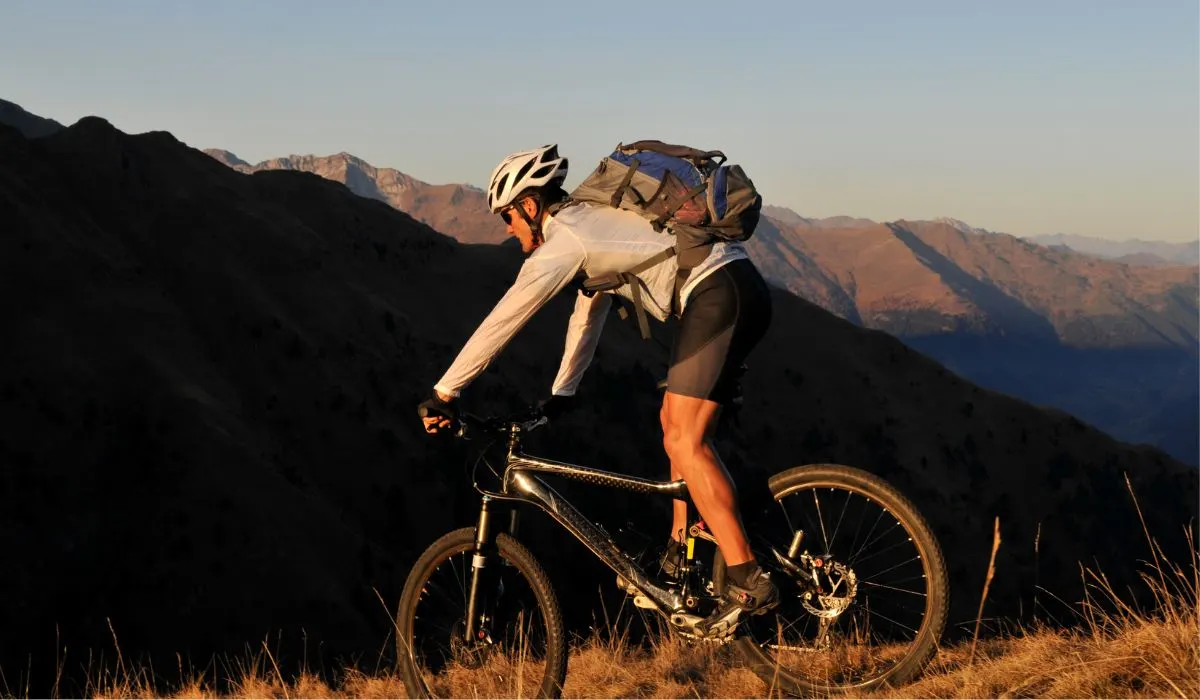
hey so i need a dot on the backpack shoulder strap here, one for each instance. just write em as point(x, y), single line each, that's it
point(559, 206)
point(616, 280)
point(651, 261)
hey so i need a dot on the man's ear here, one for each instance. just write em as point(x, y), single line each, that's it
point(530, 204)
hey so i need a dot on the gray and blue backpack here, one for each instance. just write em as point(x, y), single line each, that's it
point(685, 192)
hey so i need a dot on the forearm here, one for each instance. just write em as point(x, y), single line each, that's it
point(483, 346)
point(541, 277)
point(583, 335)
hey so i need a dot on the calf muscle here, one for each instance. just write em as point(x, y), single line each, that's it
point(688, 424)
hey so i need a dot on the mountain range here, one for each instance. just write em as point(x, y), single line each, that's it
point(208, 429)
point(1072, 297)
point(784, 215)
point(458, 210)
point(928, 277)
point(1134, 252)
point(1112, 343)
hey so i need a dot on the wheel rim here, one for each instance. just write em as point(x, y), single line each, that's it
point(508, 658)
point(867, 613)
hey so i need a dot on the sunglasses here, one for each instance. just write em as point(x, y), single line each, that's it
point(507, 213)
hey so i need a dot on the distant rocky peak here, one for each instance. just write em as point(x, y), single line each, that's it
point(226, 157)
point(960, 225)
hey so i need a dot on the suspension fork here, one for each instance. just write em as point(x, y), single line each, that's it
point(479, 561)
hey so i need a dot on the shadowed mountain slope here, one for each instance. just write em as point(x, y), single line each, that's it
point(31, 125)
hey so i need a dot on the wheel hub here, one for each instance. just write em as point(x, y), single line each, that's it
point(470, 653)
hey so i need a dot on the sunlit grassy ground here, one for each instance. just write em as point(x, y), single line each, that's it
point(1117, 652)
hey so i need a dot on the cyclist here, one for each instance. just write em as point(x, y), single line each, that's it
point(725, 311)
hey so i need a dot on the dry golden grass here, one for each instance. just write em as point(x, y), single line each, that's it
point(1117, 651)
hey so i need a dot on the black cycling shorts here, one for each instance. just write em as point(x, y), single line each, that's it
point(727, 314)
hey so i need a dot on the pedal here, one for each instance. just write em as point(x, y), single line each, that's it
point(723, 628)
point(722, 632)
point(643, 602)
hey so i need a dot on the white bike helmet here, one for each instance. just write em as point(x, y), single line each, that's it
point(522, 171)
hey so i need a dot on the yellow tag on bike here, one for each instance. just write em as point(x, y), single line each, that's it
point(691, 547)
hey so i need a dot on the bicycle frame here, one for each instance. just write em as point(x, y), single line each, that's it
point(822, 584)
point(522, 484)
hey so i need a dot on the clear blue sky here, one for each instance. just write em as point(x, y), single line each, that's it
point(1023, 117)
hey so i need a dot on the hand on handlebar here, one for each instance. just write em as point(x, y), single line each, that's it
point(437, 414)
point(555, 406)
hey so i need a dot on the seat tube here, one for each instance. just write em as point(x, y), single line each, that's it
point(483, 539)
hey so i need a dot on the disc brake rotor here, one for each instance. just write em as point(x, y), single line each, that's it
point(836, 586)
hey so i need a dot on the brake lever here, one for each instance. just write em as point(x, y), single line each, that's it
point(529, 426)
point(469, 427)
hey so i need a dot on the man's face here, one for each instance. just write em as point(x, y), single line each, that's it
point(518, 226)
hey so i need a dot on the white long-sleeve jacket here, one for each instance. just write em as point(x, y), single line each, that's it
point(597, 240)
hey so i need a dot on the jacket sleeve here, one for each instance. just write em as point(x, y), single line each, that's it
point(544, 274)
point(583, 334)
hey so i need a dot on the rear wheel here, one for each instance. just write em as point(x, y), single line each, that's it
point(519, 649)
point(863, 603)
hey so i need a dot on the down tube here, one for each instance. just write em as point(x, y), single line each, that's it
point(570, 518)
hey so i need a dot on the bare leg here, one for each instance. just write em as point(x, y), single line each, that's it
point(679, 520)
point(679, 514)
point(688, 424)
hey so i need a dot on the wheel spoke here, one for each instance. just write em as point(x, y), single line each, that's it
point(890, 588)
point(880, 537)
point(837, 527)
point(876, 613)
point(897, 566)
point(857, 562)
point(869, 533)
point(821, 519)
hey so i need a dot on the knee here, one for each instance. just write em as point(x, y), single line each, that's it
point(680, 442)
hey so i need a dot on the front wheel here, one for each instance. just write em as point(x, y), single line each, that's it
point(863, 598)
point(518, 648)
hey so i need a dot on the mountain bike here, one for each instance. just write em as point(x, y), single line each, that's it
point(862, 581)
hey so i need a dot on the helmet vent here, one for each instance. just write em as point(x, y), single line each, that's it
point(524, 169)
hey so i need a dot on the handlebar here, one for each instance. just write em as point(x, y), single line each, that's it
point(468, 426)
